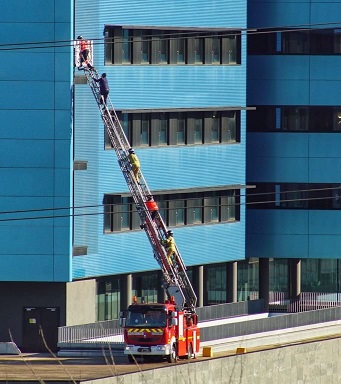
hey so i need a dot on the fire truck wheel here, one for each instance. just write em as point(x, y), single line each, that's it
point(190, 352)
point(172, 357)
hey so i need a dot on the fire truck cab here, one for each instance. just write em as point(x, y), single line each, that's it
point(159, 330)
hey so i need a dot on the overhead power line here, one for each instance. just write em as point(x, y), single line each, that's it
point(186, 34)
point(58, 216)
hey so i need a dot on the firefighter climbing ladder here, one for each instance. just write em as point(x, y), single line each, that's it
point(176, 281)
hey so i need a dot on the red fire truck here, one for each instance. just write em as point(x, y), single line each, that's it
point(160, 330)
point(176, 334)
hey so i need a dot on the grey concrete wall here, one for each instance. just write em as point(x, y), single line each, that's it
point(310, 363)
point(81, 302)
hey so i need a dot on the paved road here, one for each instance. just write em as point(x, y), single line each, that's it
point(37, 368)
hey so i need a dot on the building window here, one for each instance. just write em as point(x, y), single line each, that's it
point(216, 284)
point(108, 299)
point(322, 275)
point(295, 196)
point(161, 47)
point(179, 128)
point(126, 47)
point(175, 209)
point(288, 42)
point(145, 122)
point(145, 287)
point(291, 119)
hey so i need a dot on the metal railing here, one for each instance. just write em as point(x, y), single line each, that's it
point(310, 301)
point(110, 331)
point(102, 331)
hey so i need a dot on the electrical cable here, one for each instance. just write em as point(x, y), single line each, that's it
point(123, 212)
point(186, 34)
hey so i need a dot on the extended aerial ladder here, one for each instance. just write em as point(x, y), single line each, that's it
point(175, 279)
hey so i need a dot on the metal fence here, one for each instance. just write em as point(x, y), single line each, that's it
point(309, 301)
point(306, 301)
point(102, 331)
point(284, 321)
point(110, 331)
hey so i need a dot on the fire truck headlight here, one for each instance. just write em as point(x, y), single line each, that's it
point(161, 348)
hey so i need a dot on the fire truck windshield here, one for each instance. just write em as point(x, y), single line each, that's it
point(150, 318)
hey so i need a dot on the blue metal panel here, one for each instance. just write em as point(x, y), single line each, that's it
point(27, 240)
point(27, 149)
point(324, 223)
point(26, 268)
point(28, 32)
point(62, 267)
point(293, 233)
point(323, 13)
point(34, 11)
point(12, 63)
point(277, 233)
point(34, 95)
point(278, 144)
point(29, 125)
point(267, 14)
point(164, 168)
point(324, 170)
point(325, 246)
point(176, 87)
point(325, 92)
point(278, 92)
point(29, 97)
point(62, 154)
point(278, 67)
point(63, 12)
point(280, 170)
point(209, 13)
point(325, 68)
point(325, 145)
point(294, 80)
point(277, 246)
point(181, 167)
point(62, 95)
point(277, 222)
point(127, 252)
point(293, 157)
point(28, 182)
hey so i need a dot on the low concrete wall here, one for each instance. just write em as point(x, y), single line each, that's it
point(9, 348)
point(314, 362)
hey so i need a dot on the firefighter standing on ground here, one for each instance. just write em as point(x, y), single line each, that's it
point(135, 164)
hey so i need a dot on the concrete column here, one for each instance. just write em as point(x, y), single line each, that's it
point(126, 285)
point(264, 282)
point(198, 284)
point(294, 278)
point(232, 280)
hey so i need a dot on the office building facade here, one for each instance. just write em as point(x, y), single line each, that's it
point(293, 141)
point(72, 249)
